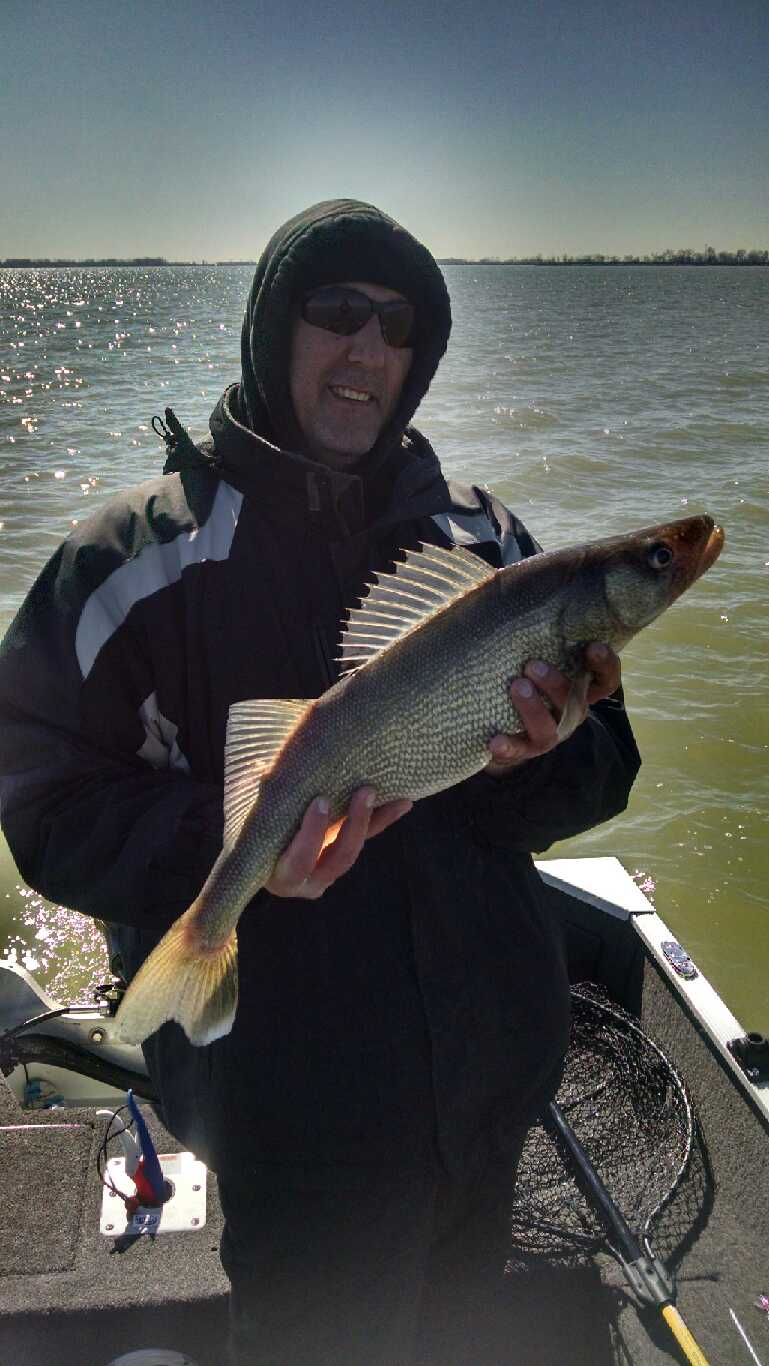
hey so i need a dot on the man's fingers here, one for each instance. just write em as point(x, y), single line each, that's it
point(320, 853)
point(387, 815)
point(541, 730)
point(297, 862)
point(540, 724)
point(606, 670)
point(550, 683)
point(339, 856)
point(507, 750)
point(528, 693)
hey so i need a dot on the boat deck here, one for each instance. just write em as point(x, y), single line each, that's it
point(66, 1296)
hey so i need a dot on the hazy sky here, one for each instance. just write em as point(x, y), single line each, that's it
point(492, 127)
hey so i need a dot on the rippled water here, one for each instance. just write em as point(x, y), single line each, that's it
point(593, 400)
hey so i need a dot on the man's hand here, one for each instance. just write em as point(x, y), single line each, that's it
point(541, 724)
point(321, 852)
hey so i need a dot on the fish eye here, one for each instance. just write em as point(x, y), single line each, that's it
point(660, 556)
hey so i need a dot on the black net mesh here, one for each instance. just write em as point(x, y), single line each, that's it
point(631, 1112)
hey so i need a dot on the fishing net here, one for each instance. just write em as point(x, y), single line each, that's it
point(631, 1112)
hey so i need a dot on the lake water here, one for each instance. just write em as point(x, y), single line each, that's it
point(593, 400)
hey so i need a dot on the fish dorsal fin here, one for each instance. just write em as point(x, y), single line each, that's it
point(427, 580)
point(255, 732)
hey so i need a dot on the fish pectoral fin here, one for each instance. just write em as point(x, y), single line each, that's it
point(573, 713)
point(255, 732)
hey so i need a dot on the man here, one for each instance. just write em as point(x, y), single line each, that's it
point(404, 1005)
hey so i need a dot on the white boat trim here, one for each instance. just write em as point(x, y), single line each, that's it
point(601, 882)
point(605, 884)
point(706, 1007)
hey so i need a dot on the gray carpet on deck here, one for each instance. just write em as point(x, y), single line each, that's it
point(65, 1295)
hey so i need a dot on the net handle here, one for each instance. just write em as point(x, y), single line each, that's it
point(683, 1337)
point(597, 1192)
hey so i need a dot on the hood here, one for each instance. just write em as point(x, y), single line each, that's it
point(340, 239)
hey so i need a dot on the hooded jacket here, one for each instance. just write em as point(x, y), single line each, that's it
point(423, 1001)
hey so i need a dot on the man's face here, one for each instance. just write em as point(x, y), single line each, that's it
point(344, 389)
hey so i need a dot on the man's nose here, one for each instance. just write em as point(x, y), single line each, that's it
point(367, 347)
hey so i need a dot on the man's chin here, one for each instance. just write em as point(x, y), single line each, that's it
point(341, 453)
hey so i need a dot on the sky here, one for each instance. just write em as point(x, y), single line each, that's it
point(191, 130)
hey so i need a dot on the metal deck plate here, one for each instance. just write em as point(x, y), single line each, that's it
point(185, 1211)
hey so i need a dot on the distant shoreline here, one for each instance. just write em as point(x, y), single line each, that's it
point(683, 257)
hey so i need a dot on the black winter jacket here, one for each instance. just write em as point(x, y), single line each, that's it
point(423, 1000)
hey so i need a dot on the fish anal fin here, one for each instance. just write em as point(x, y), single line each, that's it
point(256, 731)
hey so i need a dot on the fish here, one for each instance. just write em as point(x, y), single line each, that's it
point(427, 659)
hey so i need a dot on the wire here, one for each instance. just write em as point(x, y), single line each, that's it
point(101, 1156)
point(38, 1019)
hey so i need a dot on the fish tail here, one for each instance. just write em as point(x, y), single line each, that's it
point(183, 980)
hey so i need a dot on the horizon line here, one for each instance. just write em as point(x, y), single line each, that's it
point(681, 256)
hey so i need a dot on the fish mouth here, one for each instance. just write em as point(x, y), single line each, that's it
point(697, 543)
point(711, 550)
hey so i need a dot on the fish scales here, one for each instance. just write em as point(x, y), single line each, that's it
point(437, 645)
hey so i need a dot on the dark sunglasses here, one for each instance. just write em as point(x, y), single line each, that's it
point(345, 311)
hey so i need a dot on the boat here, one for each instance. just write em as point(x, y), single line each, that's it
point(81, 1284)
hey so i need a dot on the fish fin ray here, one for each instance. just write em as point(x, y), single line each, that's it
point(256, 730)
point(177, 982)
point(423, 584)
point(456, 563)
point(573, 713)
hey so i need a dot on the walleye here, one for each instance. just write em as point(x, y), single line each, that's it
point(428, 657)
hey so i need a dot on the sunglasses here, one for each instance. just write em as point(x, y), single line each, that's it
point(345, 311)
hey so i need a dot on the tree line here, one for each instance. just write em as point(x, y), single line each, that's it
point(20, 261)
point(683, 257)
point(54, 262)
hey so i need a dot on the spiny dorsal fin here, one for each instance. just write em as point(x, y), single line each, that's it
point(427, 581)
point(255, 732)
